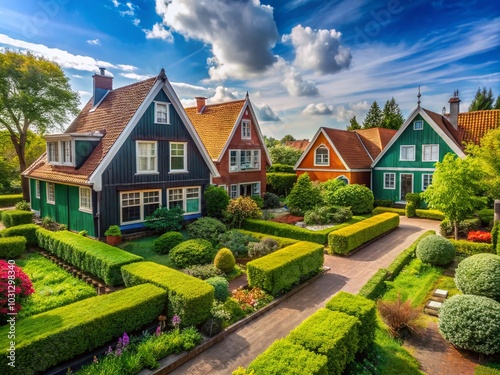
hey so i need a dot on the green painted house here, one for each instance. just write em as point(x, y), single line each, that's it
point(128, 152)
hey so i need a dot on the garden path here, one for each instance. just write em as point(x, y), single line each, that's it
point(348, 274)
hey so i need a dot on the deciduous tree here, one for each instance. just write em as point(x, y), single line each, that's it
point(284, 154)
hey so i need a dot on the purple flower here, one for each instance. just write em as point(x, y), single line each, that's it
point(158, 331)
point(109, 351)
point(125, 339)
point(118, 352)
point(176, 320)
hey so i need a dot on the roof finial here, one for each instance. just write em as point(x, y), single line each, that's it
point(418, 96)
point(162, 75)
point(455, 93)
point(246, 96)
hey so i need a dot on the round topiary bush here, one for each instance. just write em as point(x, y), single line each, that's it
point(358, 197)
point(479, 274)
point(224, 260)
point(472, 323)
point(435, 250)
point(221, 286)
point(166, 242)
point(192, 252)
point(206, 228)
point(271, 200)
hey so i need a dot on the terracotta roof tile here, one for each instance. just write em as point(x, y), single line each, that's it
point(446, 127)
point(375, 139)
point(300, 144)
point(215, 124)
point(472, 126)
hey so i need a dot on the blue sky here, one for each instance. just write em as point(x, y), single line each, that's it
point(305, 63)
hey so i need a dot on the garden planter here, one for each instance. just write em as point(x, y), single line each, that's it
point(113, 240)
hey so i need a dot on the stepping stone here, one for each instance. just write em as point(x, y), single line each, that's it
point(440, 293)
point(432, 307)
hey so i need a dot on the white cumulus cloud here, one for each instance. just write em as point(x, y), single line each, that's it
point(223, 94)
point(320, 109)
point(159, 32)
point(266, 113)
point(94, 42)
point(135, 76)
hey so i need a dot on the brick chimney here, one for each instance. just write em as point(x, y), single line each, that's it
point(103, 82)
point(200, 103)
point(454, 109)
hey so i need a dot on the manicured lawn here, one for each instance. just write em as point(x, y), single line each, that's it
point(144, 248)
point(491, 368)
point(54, 287)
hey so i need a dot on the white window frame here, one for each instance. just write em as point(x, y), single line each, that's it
point(224, 187)
point(63, 153)
point(138, 156)
point(429, 176)
point(255, 184)
point(401, 183)
point(235, 191)
point(84, 207)
point(246, 129)
point(141, 204)
point(235, 160)
point(37, 189)
point(418, 125)
point(167, 113)
point(323, 162)
point(388, 186)
point(342, 177)
point(53, 159)
point(401, 152)
point(185, 198)
point(50, 186)
point(431, 146)
point(184, 168)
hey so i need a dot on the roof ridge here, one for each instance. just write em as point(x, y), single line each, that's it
point(363, 144)
point(221, 103)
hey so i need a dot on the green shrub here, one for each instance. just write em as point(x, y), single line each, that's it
point(12, 247)
point(285, 268)
point(192, 252)
point(361, 308)
point(234, 309)
point(188, 297)
point(470, 248)
point(221, 287)
point(464, 227)
point(237, 242)
point(486, 216)
point(49, 338)
point(479, 274)
point(114, 231)
point(271, 200)
point(344, 240)
point(304, 195)
point(97, 258)
point(12, 218)
point(204, 271)
point(164, 219)
point(28, 231)
point(327, 215)
point(328, 188)
point(375, 286)
point(265, 246)
point(410, 210)
point(472, 323)
point(282, 241)
point(280, 183)
point(23, 206)
point(10, 200)
point(284, 357)
point(259, 201)
point(495, 233)
point(206, 228)
point(331, 333)
point(413, 198)
point(358, 197)
point(383, 203)
point(166, 242)
point(381, 210)
point(240, 209)
point(435, 250)
point(429, 214)
point(281, 168)
point(224, 260)
point(216, 201)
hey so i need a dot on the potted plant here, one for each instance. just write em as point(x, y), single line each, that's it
point(113, 235)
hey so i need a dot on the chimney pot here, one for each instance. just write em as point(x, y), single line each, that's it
point(102, 71)
point(200, 103)
point(454, 109)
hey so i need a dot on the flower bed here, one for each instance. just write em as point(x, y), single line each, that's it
point(287, 219)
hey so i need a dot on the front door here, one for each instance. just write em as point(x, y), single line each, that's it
point(406, 185)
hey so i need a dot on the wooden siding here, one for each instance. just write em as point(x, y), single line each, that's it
point(394, 194)
point(34, 201)
point(361, 178)
point(334, 160)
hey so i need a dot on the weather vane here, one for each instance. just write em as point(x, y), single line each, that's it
point(418, 96)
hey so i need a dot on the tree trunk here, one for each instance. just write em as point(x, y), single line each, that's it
point(456, 229)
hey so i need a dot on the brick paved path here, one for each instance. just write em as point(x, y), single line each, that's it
point(348, 274)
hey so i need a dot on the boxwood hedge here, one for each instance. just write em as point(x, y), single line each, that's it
point(344, 240)
point(430, 214)
point(381, 210)
point(375, 286)
point(26, 230)
point(188, 297)
point(11, 218)
point(471, 248)
point(10, 200)
point(12, 247)
point(46, 339)
point(283, 241)
point(97, 258)
point(284, 268)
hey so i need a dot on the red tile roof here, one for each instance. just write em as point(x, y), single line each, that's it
point(445, 126)
point(375, 139)
point(472, 126)
point(300, 144)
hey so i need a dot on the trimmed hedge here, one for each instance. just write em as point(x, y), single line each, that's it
point(10, 200)
point(447, 228)
point(11, 218)
point(344, 240)
point(435, 250)
point(166, 242)
point(46, 339)
point(381, 210)
point(375, 286)
point(360, 307)
point(187, 296)
point(471, 248)
point(495, 235)
point(97, 258)
point(285, 268)
point(280, 183)
point(332, 333)
point(283, 241)
point(12, 247)
point(280, 168)
point(284, 357)
point(192, 253)
point(26, 230)
point(429, 214)
point(479, 275)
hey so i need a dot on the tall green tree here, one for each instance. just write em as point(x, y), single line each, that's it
point(34, 94)
point(353, 124)
point(483, 100)
point(270, 141)
point(497, 103)
point(374, 117)
point(284, 154)
point(287, 138)
point(456, 185)
point(392, 116)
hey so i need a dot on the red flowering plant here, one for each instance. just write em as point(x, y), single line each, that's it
point(288, 219)
point(251, 300)
point(479, 236)
point(15, 286)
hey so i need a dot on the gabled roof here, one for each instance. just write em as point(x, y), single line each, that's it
point(375, 139)
point(472, 126)
point(300, 144)
point(446, 126)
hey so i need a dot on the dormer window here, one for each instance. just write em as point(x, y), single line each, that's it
point(321, 155)
point(245, 130)
point(53, 152)
point(162, 113)
point(71, 149)
point(67, 157)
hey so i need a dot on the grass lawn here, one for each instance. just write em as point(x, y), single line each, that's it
point(54, 287)
point(487, 369)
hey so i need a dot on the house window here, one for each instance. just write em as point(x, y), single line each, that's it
point(321, 155)
point(245, 129)
point(234, 191)
point(51, 193)
point(256, 188)
point(407, 153)
point(343, 179)
point(66, 152)
point(389, 180)
point(162, 113)
point(233, 161)
point(426, 181)
point(418, 125)
point(85, 199)
point(137, 205)
point(53, 152)
point(242, 160)
point(224, 187)
point(146, 157)
point(178, 157)
point(430, 153)
point(188, 199)
point(37, 189)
